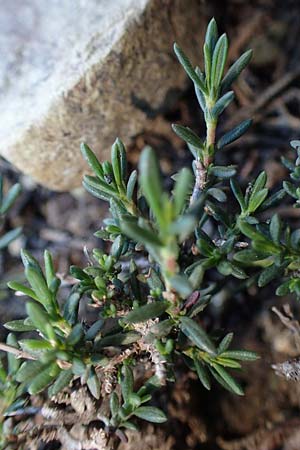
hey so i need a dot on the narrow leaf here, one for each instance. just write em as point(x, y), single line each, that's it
point(197, 335)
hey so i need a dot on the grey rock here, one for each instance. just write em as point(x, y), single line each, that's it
point(86, 70)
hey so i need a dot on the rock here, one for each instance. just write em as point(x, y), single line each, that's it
point(88, 71)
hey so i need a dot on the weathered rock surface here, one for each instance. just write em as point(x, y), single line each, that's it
point(86, 70)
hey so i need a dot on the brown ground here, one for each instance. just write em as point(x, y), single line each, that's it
point(268, 417)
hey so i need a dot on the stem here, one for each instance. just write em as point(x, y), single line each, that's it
point(15, 351)
point(202, 166)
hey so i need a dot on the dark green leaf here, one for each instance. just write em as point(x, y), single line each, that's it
point(139, 234)
point(146, 312)
point(150, 182)
point(93, 384)
point(197, 335)
point(10, 198)
point(182, 285)
point(275, 229)
point(18, 325)
point(131, 184)
point(202, 374)
point(219, 60)
point(242, 355)
point(184, 61)
point(43, 379)
point(238, 193)
point(118, 339)
point(223, 171)
point(28, 370)
point(234, 134)
point(10, 236)
point(62, 381)
point(182, 189)
point(225, 343)
point(71, 308)
point(151, 414)
point(114, 404)
point(268, 275)
point(235, 70)
point(127, 383)
point(230, 382)
point(92, 160)
point(221, 104)
point(188, 135)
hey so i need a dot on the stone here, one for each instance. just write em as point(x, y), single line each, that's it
point(87, 70)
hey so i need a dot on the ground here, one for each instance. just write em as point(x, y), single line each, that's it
point(268, 417)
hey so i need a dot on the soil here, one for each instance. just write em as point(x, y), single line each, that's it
point(268, 417)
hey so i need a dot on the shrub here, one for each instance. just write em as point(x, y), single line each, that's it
point(151, 288)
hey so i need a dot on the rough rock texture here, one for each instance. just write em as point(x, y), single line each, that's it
point(86, 70)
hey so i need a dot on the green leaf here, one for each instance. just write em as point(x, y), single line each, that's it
point(219, 60)
point(38, 317)
point(275, 229)
point(223, 171)
point(235, 70)
point(218, 194)
point(234, 134)
point(184, 61)
point(268, 275)
point(138, 234)
point(12, 362)
point(118, 339)
point(237, 192)
point(146, 312)
point(95, 191)
point(76, 335)
point(182, 189)
point(43, 379)
point(229, 382)
point(24, 289)
point(18, 325)
point(161, 329)
point(197, 335)
point(117, 155)
point(259, 184)
point(257, 199)
point(39, 286)
point(242, 355)
point(151, 414)
point(150, 182)
point(290, 189)
point(92, 160)
point(10, 236)
point(62, 381)
point(225, 343)
point(127, 383)
point(35, 347)
point(28, 370)
point(131, 184)
point(93, 383)
point(10, 198)
point(130, 425)
point(221, 104)
point(181, 284)
point(211, 35)
point(114, 404)
point(71, 308)
point(202, 374)
point(49, 268)
point(188, 135)
point(273, 200)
